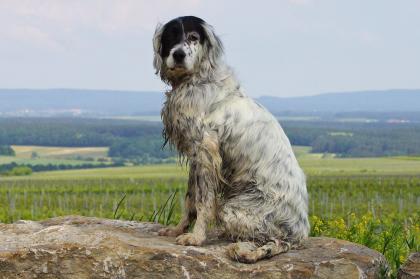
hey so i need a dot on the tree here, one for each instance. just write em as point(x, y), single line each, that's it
point(7, 150)
point(20, 170)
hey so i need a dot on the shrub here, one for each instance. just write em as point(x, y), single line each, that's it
point(20, 171)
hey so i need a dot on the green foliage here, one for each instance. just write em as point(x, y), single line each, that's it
point(7, 150)
point(19, 171)
point(143, 150)
point(393, 237)
point(141, 141)
point(351, 139)
point(71, 132)
point(165, 212)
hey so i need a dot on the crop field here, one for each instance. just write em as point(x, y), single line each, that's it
point(42, 161)
point(26, 151)
point(314, 164)
point(372, 201)
point(42, 155)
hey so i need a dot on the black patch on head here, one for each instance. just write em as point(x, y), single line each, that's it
point(175, 31)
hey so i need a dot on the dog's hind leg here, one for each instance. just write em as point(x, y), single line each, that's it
point(250, 252)
point(246, 221)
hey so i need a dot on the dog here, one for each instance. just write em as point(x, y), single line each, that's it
point(243, 174)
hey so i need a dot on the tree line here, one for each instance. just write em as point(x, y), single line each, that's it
point(141, 141)
point(6, 150)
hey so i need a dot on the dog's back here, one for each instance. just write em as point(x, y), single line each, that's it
point(264, 178)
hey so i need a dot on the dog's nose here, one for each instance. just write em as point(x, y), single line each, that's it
point(179, 55)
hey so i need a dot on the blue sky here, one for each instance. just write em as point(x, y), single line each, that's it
point(280, 48)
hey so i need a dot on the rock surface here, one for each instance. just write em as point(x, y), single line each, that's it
point(82, 247)
point(411, 268)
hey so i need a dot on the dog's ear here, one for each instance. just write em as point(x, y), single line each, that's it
point(214, 44)
point(157, 46)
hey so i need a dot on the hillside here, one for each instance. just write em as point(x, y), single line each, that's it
point(53, 102)
point(75, 102)
point(368, 101)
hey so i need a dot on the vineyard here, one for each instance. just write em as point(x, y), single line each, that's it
point(380, 212)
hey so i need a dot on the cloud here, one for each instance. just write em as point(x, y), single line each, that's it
point(300, 2)
point(46, 22)
point(31, 35)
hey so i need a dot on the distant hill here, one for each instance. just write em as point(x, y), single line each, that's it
point(368, 101)
point(26, 102)
point(78, 102)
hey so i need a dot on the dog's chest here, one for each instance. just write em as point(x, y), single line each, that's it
point(181, 116)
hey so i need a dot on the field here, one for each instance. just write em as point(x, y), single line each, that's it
point(26, 151)
point(372, 201)
point(314, 164)
point(42, 155)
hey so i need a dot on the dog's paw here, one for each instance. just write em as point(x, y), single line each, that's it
point(244, 252)
point(169, 231)
point(190, 239)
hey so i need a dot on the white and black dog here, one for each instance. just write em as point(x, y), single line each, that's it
point(243, 173)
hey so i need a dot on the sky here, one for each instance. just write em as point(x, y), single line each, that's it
point(279, 48)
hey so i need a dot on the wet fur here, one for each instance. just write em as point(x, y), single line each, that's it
point(243, 173)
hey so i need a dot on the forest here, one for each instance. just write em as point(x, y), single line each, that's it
point(142, 141)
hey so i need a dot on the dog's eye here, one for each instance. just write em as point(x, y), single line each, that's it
point(193, 37)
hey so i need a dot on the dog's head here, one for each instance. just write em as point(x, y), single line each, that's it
point(184, 47)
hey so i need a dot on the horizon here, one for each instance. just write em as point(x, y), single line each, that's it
point(312, 47)
point(391, 90)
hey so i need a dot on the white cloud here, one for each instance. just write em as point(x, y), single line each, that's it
point(300, 2)
point(43, 22)
point(31, 35)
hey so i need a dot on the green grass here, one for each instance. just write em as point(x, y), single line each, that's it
point(329, 196)
point(369, 210)
point(135, 172)
point(314, 164)
point(372, 201)
point(329, 165)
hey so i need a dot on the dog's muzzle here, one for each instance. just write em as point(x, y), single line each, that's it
point(179, 56)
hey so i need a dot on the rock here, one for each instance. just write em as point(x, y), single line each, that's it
point(411, 268)
point(83, 247)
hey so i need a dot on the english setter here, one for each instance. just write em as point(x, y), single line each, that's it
point(243, 174)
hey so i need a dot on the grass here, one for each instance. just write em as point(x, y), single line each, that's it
point(329, 196)
point(314, 164)
point(147, 171)
point(376, 211)
point(329, 165)
point(371, 201)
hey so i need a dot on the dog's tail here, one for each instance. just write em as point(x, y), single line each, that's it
point(250, 252)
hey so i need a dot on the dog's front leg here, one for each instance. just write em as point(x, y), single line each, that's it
point(190, 212)
point(206, 173)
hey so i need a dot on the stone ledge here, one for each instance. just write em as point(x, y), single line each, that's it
point(84, 247)
point(411, 268)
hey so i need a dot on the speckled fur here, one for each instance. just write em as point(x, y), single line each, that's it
point(243, 172)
